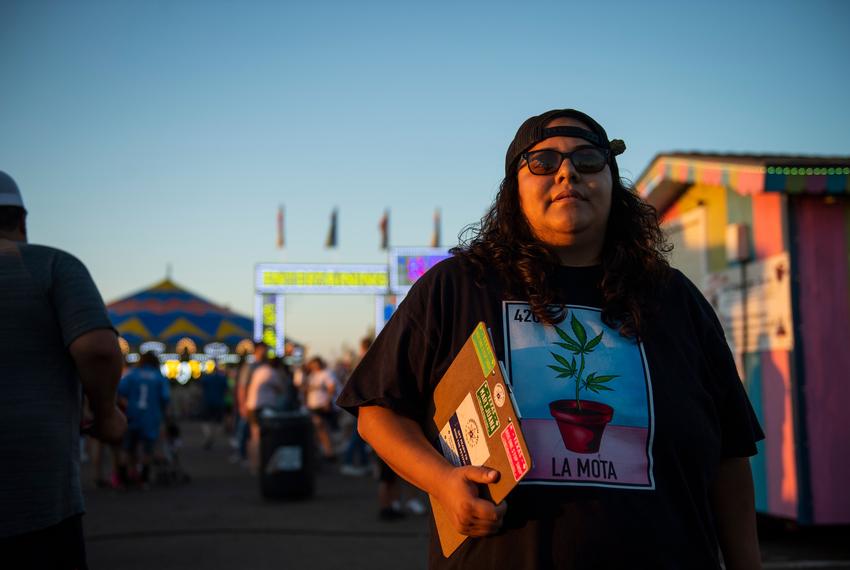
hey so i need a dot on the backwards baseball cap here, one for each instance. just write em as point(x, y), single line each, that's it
point(10, 195)
point(534, 130)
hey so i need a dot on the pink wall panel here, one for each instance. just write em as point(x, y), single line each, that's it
point(825, 331)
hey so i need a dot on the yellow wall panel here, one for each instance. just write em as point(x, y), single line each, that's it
point(714, 200)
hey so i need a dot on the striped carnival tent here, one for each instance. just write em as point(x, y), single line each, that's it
point(169, 314)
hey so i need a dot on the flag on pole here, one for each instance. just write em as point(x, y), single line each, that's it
point(280, 240)
point(384, 226)
point(331, 241)
point(435, 236)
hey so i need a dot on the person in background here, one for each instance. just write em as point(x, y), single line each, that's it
point(106, 455)
point(355, 461)
point(102, 455)
point(229, 399)
point(320, 387)
point(265, 390)
point(146, 394)
point(214, 389)
point(243, 380)
point(55, 339)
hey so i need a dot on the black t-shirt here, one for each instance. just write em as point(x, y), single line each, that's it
point(626, 482)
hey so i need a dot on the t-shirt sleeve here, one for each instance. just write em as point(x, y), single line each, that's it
point(76, 300)
point(740, 429)
point(397, 371)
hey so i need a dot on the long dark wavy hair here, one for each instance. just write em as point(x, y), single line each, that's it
point(633, 256)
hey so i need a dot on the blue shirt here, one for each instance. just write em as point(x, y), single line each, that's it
point(147, 394)
point(214, 387)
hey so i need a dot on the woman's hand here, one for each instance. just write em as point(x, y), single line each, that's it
point(470, 514)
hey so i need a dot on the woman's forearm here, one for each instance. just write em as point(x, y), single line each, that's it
point(400, 442)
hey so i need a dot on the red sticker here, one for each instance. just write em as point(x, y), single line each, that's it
point(519, 465)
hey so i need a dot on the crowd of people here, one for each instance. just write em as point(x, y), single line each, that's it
point(265, 382)
point(229, 401)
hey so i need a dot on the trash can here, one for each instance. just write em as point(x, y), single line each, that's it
point(288, 469)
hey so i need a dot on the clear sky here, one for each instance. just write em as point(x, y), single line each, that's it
point(153, 132)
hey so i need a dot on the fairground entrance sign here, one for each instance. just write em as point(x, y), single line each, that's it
point(388, 283)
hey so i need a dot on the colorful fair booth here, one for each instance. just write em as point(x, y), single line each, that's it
point(187, 332)
point(766, 239)
point(389, 283)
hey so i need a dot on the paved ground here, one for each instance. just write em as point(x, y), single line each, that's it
point(218, 521)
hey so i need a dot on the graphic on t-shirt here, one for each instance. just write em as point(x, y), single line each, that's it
point(584, 393)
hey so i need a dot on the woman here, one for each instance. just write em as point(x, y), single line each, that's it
point(567, 270)
point(265, 386)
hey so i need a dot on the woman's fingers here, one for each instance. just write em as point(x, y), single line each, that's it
point(472, 515)
point(478, 474)
point(481, 518)
point(484, 527)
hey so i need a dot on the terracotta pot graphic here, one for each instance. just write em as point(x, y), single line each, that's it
point(581, 430)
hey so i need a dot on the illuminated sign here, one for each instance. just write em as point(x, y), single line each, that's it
point(268, 323)
point(174, 369)
point(186, 344)
point(292, 278)
point(152, 346)
point(385, 306)
point(245, 346)
point(215, 349)
point(269, 320)
point(407, 265)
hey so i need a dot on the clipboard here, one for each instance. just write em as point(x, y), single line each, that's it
point(474, 417)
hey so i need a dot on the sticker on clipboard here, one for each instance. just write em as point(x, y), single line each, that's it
point(481, 342)
point(462, 438)
point(499, 394)
point(488, 409)
point(519, 465)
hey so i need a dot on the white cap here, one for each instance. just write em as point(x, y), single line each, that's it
point(10, 195)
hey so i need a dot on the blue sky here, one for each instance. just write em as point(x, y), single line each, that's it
point(157, 132)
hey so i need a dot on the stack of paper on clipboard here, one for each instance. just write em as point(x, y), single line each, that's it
point(474, 415)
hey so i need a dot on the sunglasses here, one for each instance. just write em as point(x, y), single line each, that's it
point(587, 160)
